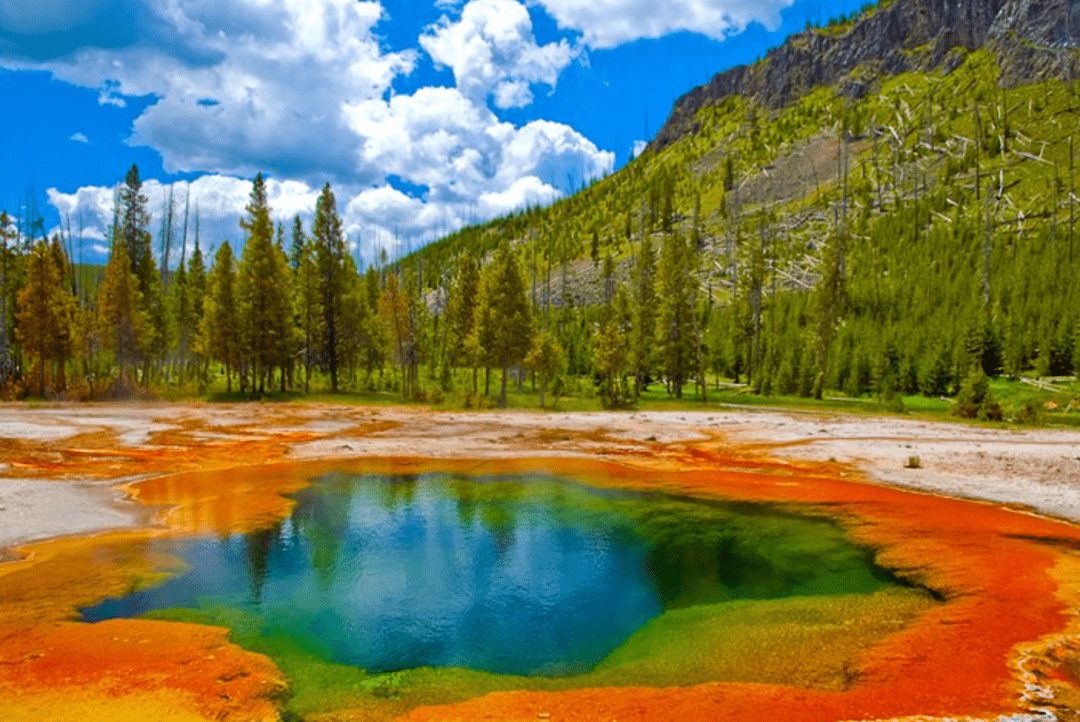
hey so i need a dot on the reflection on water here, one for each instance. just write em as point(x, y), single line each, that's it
point(507, 574)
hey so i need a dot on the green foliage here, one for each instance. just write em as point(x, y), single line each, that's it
point(47, 311)
point(220, 332)
point(504, 322)
point(329, 241)
point(120, 308)
point(403, 320)
point(677, 328)
point(263, 293)
point(975, 399)
point(612, 357)
point(546, 359)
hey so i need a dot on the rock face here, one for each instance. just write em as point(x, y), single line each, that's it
point(1045, 23)
point(1033, 38)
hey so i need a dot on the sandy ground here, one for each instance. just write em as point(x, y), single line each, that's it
point(97, 448)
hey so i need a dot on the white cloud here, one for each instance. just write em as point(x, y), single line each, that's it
point(492, 51)
point(218, 200)
point(526, 191)
point(608, 23)
point(440, 139)
point(246, 86)
point(302, 90)
point(639, 147)
point(79, 138)
point(513, 168)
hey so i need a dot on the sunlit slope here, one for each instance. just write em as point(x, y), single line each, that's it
point(954, 188)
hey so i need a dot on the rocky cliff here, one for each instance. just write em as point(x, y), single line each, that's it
point(1033, 39)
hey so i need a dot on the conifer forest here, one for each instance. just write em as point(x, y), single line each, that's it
point(881, 236)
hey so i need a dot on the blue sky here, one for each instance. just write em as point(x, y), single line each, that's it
point(423, 116)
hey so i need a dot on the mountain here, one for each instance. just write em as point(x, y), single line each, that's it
point(881, 204)
point(893, 38)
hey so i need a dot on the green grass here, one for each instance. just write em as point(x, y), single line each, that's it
point(1023, 404)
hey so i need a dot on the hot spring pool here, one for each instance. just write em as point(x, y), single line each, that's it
point(520, 575)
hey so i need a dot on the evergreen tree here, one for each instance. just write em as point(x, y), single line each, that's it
point(460, 314)
point(299, 245)
point(829, 302)
point(372, 354)
point(546, 359)
point(120, 307)
point(221, 316)
point(134, 224)
point(612, 358)
point(134, 231)
point(677, 340)
point(197, 290)
point(46, 313)
point(264, 297)
point(330, 254)
point(356, 321)
point(504, 325)
point(308, 310)
point(401, 315)
point(644, 329)
point(181, 310)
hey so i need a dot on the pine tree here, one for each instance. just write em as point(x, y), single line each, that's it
point(546, 359)
point(309, 313)
point(221, 328)
point(829, 302)
point(330, 253)
point(355, 321)
point(505, 323)
point(644, 313)
point(180, 308)
point(46, 313)
point(612, 358)
point(676, 329)
point(134, 231)
point(264, 290)
point(120, 307)
point(299, 246)
point(373, 352)
point(196, 279)
point(460, 313)
point(401, 315)
point(134, 222)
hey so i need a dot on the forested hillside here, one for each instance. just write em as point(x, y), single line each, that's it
point(885, 205)
point(885, 233)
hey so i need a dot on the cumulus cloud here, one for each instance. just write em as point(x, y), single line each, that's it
point(492, 51)
point(302, 90)
point(218, 201)
point(438, 138)
point(240, 86)
point(79, 138)
point(609, 23)
point(374, 217)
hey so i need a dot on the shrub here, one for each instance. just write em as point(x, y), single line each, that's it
point(976, 400)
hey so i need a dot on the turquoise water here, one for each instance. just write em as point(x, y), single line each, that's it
point(515, 575)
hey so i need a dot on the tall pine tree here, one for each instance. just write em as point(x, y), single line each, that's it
point(330, 256)
point(505, 323)
point(120, 307)
point(220, 332)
